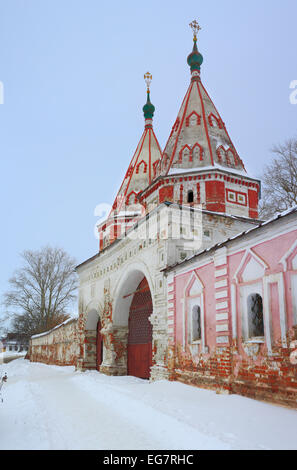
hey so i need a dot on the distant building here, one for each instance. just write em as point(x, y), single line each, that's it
point(14, 343)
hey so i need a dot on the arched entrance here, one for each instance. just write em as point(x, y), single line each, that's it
point(139, 358)
point(93, 344)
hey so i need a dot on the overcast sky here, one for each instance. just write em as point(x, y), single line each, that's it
point(72, 116)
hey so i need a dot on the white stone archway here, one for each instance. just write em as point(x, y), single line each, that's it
point(129, 282)
point(115, 331)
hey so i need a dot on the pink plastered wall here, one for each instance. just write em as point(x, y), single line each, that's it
point(232, 360)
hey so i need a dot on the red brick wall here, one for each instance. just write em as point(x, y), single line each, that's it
point(272, 378)
point(166, 194)
point(59, 346)
point(215, 196)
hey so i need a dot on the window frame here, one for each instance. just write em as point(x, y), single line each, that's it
point(190, 300)
point(249, 335)
point(190, 320)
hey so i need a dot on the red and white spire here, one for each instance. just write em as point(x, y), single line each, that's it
point(141, 170)
point(126, 208)
point(199, 137)
point(200, 164)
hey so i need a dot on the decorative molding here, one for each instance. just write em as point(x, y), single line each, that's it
point(284, 259)
point(245, 260)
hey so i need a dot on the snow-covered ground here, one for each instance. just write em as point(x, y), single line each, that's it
point(51, 407)
point(11, 353)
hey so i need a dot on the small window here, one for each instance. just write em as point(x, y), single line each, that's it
point(183, 255)
point(190, 196)
point(241, 199)
point(231, 196)
point(255, 315)
point(196, 323)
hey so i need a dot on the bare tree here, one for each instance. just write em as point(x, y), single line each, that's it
point(41, 291)
point(279, 181)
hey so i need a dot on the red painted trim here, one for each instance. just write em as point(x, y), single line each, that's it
point(166, 194)
point(177, 117)
point(217, 119)
point(205, 123)
point(200, 151)
point(181, 189)
point(221, 120)
point(138, 166)
point(180, 159)
point(130, 165)
point(181, 125)
point(236, 194)
point(198, 121)
point(129, 196)
point(198, 193)
point(144, 137)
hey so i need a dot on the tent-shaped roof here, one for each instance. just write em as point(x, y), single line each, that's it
point(199, 137)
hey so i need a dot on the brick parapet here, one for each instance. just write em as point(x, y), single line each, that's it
point(58, 346)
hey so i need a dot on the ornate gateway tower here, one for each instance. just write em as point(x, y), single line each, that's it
point(200, 163)
point(124, 320)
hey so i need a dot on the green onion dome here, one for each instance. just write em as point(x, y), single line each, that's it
point(195, 59)
point(149, 108)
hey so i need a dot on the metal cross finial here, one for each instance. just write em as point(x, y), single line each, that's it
point(195, 28)
point(148, 78)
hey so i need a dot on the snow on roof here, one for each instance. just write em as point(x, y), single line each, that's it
point(215, 166)
point(55, 328)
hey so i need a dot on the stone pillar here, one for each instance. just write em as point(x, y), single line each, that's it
point(80, 332)
point(223, 322)
point(159, 369)
point(114, 350)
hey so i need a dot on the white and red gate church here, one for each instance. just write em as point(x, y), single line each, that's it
point(211, 301)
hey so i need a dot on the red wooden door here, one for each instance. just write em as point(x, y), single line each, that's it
point(99, 346)
point(140, 333)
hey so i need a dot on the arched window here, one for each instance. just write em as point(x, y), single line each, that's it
point(190, 196)
point(255, 315)
point(185, 154)
point(214, 121)
point(223, 155)
point(139, 167)
point(193, 119)
point(197, 152)
point(131, 198)
point(196, 324)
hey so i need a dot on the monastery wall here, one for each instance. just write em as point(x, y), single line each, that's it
point(58, 346)
point(246, 299)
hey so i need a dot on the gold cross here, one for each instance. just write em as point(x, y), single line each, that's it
point(195, 28)
point(148, 78)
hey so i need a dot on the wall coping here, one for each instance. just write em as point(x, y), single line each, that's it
point(66, 322)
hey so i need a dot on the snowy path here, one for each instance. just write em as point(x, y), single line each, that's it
point(50, 407)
